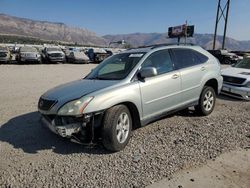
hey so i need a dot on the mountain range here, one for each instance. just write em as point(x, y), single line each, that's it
point(10, 25)
point(204, 40)
point(48, 31)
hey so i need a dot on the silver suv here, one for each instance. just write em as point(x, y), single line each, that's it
point(131, 89)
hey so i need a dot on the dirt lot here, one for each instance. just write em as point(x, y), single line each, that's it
point(32, 156)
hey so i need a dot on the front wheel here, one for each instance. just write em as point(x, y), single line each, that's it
point(206, 102)
point(117, 126)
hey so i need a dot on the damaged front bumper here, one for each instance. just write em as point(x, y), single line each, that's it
point(64, 130)
point(83, 130)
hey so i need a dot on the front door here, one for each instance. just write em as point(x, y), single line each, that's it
point(162, 92)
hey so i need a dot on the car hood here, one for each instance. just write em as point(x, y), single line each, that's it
point(236, 72)
point(76, 89)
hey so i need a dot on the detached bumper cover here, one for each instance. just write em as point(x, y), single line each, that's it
point(240, 92)
point(64, 130)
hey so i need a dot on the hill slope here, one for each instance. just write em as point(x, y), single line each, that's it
point(48, 31)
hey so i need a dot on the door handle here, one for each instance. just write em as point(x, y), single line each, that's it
point(175, 76)
point(203, 68)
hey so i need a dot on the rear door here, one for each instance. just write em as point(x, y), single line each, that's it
point(162, 92)
point(192, 67)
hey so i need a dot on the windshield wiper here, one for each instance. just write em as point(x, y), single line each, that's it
point(97, 78)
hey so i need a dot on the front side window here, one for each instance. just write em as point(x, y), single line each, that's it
point(187, 57)
point(161, 60)
point(116, 67)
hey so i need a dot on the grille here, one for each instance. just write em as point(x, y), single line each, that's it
point(2, 54)
point(233, 80)
point(30, 55)
point(56, 55)
point(45, 104)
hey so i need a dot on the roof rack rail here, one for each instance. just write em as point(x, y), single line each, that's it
point(166, 44)
point(162, 44)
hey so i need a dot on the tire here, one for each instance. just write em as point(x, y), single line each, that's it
point(206, 102)
point(117, 126)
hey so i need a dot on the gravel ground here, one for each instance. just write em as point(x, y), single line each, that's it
point(32, 156)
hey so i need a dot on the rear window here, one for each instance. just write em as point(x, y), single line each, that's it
point(188, 57)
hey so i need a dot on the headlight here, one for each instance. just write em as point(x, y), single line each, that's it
point(248, 84)
point(75, 107)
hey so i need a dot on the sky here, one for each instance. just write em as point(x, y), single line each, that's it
point(131, 16)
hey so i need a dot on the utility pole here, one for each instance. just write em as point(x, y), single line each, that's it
point(221, 13)
point(186, 25)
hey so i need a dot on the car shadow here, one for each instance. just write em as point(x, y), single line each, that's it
point(189, 112)
point(27, 133)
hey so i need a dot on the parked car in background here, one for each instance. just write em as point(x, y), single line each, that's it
point(97, 55)
point(5, 55)
point(225, 57)
point(132, 89)
point(109, 52)
point(241, 53)
point(236, 80)
point(77, 56)
point(68, 50)
point(53, 55)
point(28, 54)
point(14, 49)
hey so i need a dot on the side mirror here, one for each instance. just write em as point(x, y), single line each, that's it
point(147, 72)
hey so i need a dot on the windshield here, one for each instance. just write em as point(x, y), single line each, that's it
point(28, 49)
point(117, 67)
point(53, 49)
point(244, 64)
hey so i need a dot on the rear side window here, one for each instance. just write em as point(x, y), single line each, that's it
point(160, 60)
point(187, 58)
point(201, 57)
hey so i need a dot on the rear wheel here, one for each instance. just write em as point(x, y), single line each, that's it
point(117, 126)
point(206, 102)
